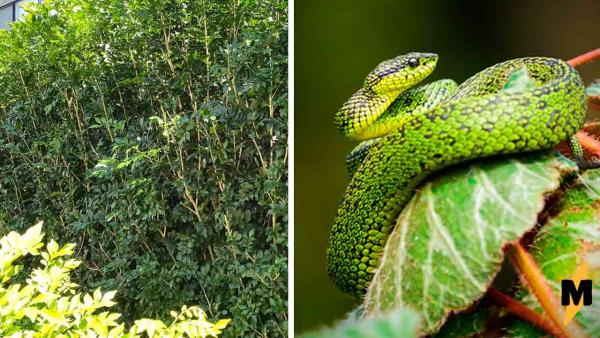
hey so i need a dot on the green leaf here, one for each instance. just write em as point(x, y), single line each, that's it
point(32, 238)
point(45, 310)
point(593, 89)
point(568, 238)
point(465, 324)
point(518, 80)
point(48, 108)
point(448, 243)
point(398, 323)
point(522, 329)
point(52, 316)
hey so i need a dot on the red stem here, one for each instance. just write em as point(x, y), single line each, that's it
point(585, 58)
point(594, 102)
point(588, 142)
point(520, 310)
point(533, 277)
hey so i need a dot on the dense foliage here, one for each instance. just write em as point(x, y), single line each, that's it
point(49, 305)
point(152, 133)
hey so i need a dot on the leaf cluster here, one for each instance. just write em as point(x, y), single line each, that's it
point(48, 305)
point(152, 133)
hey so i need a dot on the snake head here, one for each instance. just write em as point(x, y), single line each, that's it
point(395, 75)
point(382, 86)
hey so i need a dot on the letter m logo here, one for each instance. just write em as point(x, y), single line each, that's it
point(570, 292)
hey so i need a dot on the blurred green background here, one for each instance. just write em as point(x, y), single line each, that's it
point(338, 42)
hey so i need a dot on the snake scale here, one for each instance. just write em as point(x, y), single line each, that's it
point(413, 132)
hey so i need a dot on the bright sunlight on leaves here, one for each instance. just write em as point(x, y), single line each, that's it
point(50, 306)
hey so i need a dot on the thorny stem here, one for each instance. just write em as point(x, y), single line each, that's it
point(588, 142)
point(533, 277)
point(520, 310)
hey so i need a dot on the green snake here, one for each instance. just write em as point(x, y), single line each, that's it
point(413, 132)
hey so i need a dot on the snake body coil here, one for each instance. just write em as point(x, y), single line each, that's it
point(445, 126)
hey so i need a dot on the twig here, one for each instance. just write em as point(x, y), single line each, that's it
point(520, 310)
point(533, 277)
point(585, 58)
point(589, 143)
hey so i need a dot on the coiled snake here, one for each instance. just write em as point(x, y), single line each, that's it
point(414, 132)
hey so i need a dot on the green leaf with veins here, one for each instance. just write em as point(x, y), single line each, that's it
point(465, 324)
point(397, 323)
point(448, 242)
point(568, 238)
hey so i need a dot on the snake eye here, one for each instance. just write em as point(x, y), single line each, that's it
point(412, 62)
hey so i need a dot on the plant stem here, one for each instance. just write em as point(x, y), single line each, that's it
point(585, 58)
point(594, 102)
point(520, 310)
point(588, 143)
point(533, 277)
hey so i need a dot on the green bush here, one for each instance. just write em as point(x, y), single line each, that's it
point(152, 133)
point(48, 305)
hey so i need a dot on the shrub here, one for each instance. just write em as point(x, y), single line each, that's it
point(152, 133)
point(48, 305)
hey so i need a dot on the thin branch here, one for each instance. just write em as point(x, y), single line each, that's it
point(585, 58)
point(582, 59)
point(520, 310)
point(532, 276)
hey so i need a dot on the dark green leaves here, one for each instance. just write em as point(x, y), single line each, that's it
point(140, 132)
